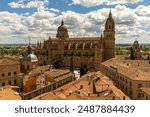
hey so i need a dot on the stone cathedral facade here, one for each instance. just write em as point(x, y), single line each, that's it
point(89, 51)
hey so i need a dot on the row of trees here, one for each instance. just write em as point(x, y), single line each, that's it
point(15, 51)
point(122, 51)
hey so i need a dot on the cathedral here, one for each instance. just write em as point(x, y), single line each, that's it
point(89, 51)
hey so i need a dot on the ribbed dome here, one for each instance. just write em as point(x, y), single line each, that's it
point(62, 32)
point(62, 27)
point(30, 58)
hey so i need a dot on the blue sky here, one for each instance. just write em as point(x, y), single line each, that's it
point(64, 5)
point(39, 19)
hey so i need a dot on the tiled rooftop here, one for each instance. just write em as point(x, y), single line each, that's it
point(146, 90)
point(6, 61)
point(56, 73)
point(126, 70)
point(82, 89)
point(39, 69)
point(9, 93)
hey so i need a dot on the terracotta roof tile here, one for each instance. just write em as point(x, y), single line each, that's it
point(8, 93)
point(146, 90)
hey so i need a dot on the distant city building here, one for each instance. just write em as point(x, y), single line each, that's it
point(89, 51)
point(136, 51)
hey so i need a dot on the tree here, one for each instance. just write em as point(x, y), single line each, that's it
point(58, 62)
point(131, 54)
point(71, 64)
point(83, 69)
point(148, 58)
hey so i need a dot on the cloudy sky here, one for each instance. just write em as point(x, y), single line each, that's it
point(39, 19)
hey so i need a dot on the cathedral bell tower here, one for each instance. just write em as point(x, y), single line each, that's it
point(109, 38)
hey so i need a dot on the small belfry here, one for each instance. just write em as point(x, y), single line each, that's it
point(136, 51)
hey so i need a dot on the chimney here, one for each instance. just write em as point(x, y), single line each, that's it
point(93, 87)
point(81, 86)
point(70, 92)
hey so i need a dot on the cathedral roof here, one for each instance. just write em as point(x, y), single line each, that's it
point(30, 58)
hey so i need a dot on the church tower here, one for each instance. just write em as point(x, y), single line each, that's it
point(109, 38)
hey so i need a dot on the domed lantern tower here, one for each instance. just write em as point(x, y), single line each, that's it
point(62, 32)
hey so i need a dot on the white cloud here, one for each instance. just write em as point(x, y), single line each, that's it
point(131, 24)
point(39, 4)
point(87, 3)
point(92, 3)
point(143, 10)
point(54, 10)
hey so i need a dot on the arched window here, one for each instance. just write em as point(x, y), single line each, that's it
point(79, 54)
point(15, 73)
point(76, 46)
point(15, 82)
point(91, 45)
point(23, 66)
point(69, 46)
point(3, 84)
point(83, 46)
point(9, 74)
point(86, 54)
point(3, 75)
point(28, 67)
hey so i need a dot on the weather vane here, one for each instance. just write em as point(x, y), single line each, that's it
point(110, 4)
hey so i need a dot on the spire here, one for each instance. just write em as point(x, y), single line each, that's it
point(29, 40)
point(62, 22)
point(29, 47)
point(38, 43)
point(49, 38)
point(101, 36)
point(110, 15)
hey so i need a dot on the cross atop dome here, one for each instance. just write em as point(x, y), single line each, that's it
point(62, 22)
